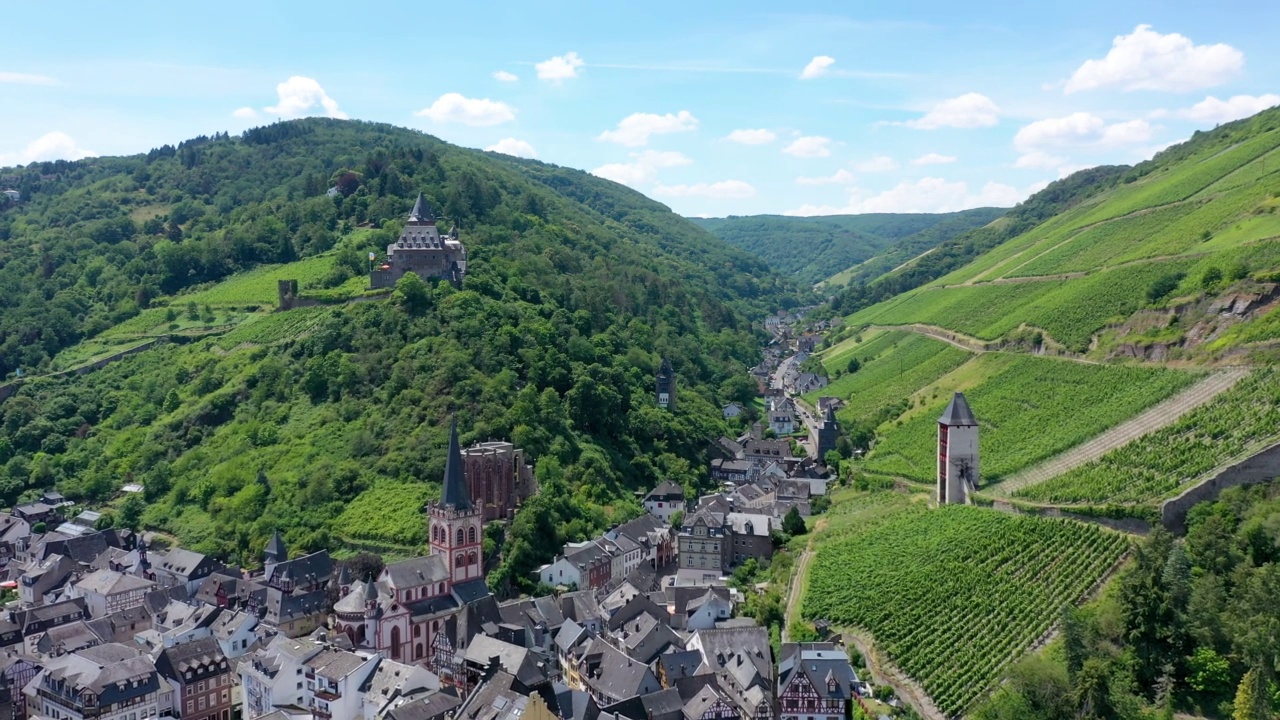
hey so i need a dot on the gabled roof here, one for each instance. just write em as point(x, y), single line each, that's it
point(425, 570)
point(958, 413)
point(665, 490)
point(454, 494)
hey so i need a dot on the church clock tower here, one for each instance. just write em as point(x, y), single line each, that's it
point(455, 523)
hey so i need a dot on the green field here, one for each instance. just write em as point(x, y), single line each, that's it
point(1165, 461)
point(894, 365)
point(952, 594)
point(259, 286)
point(267, 328)
point(1030, 408)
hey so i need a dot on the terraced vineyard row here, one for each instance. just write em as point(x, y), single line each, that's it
point(1164, 461)
point(894, 365)
point(954, 594)
point(1031, 408)
point(267, 329)
point(1071, 310)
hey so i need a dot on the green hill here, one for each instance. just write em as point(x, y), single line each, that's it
point(854, 248)
point(245, 420)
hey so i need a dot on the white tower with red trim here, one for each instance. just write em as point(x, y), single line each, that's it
point(455, 523)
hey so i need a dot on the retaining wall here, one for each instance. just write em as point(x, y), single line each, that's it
point(1260, 467)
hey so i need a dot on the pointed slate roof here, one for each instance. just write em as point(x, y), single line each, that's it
point(666, 368)
point(958, 412)
point(275, 549)
point(421, 211)
point(455, 493)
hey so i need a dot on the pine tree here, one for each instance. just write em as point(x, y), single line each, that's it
point(1252, 702)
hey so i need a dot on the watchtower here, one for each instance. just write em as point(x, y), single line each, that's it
point(957, 452)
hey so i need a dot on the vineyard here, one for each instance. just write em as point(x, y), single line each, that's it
point(894, 365)
point(1031, 408)
point(1161, 463)
point(268, 328)
point(954, 594)
point(260, 286)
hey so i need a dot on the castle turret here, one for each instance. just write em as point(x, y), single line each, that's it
point(957, 452)
point(274, 553)
point(370, 611)
point(824, 436)
point(666, 385)
point(455, 522)
point(421, 214)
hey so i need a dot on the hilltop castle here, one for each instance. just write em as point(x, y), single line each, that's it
point(423, 250)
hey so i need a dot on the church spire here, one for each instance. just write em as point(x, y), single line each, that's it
point(454, 494)
point(421, 211)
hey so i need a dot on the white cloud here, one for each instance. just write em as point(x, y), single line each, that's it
point(504, 76)
point(50, 146)
point(245, 113)
point(1038, 160)
point(725, 189)
point(300, 96)
point(971, 110)
point(512, 146)
point(809, 146)
point(817, 67)
point(1147, 60)
point(752, 137)
point(634, 130)
point(476, 112)
point(17, 78)
point(1213, 110)
point(1080, 129)
point(879, 163)
point(933, 159)
point(560, 67)
point(841, 177)
point(643, 167)
point(928, 195)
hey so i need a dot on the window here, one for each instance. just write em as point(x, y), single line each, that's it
point(471, 534)
point(461, 536)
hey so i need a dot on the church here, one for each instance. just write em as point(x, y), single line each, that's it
point(414, 611)
point(421, 249)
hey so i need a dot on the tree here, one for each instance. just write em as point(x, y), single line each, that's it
point(792, 523)
point(1252, 700)
point(1093, 689)
point(130, 515)
point(412, 294)
point(1211, 277)
point(677, 518)
point(853, 366)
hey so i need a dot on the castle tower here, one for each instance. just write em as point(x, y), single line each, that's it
point(957, 452)
point(274, 554)
point(455, 522)
point(371, 611)
point(666, 386)
point(824, 437)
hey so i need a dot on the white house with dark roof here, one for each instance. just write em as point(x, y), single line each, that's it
point(665, 500)
point(815, 680)
point(184, 567)
point(108, 591)
point(105, 681)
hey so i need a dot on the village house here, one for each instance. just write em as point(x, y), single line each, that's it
point(665, 500)
point(782, 416)
point(815, 680)
point(732, 410)
point(200, 679)
point(105, 681)
point(107, 591)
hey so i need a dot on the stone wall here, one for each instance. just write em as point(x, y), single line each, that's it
point(1260, 467)
point(7, 390)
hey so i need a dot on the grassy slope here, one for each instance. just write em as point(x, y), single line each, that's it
point(814, 248)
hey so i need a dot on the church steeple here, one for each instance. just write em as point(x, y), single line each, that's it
point(454, 494)
point(455, 523)
point(421, 212)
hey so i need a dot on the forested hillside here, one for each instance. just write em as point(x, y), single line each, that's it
point(813, 249)
point(328, 422)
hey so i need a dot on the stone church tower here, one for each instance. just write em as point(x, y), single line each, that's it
point(957, 452)
point(666, 386)
point(455, 522)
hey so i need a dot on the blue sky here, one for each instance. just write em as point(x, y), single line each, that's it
point(713, 108)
